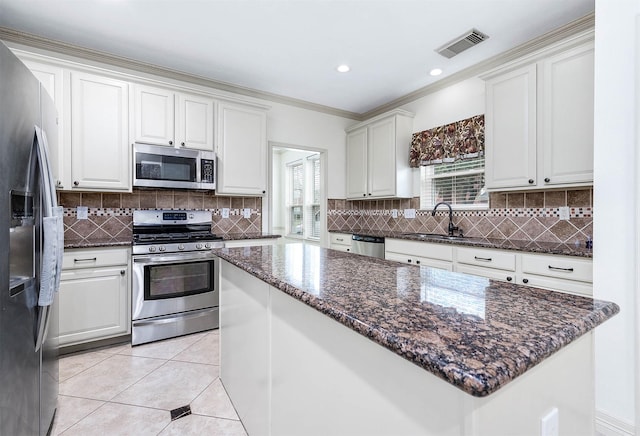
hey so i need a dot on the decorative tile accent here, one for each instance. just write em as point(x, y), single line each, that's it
point(518, 216)
point(112, 216)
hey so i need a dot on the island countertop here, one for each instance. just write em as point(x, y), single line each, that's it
point(475, 333)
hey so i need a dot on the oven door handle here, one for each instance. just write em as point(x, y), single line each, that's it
point(159, 260)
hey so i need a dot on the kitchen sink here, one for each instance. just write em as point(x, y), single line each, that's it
point(436, 236)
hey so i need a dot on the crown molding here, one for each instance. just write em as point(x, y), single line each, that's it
point(577, 27)
point(63, 48)
point(574, 28)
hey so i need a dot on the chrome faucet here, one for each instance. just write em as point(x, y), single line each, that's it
point(452, 228)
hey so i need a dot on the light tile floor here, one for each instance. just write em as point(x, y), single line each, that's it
point(125, 390)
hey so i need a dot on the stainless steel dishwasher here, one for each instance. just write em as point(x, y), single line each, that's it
point(368, 245)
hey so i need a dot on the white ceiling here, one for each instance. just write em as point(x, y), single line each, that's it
point(292, 47)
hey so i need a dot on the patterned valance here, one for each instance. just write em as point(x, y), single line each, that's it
point(462, 139)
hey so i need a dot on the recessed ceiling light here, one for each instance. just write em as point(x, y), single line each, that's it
point(435, 72)
point(343, 68)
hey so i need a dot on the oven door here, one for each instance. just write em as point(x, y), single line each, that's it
point(173, 283)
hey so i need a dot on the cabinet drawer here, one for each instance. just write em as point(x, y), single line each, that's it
point(561, 267)
point(555, 284)
point(83, 258)
point(490, 273)
point(420, 249)
point(340, 238)
point(487, 258)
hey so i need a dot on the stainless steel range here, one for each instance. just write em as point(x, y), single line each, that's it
point(175, 274)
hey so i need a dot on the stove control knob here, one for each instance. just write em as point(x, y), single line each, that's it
point(180, 247)
point(198, 246)
point(207, 245)
point(152, 249)
point(162, 248)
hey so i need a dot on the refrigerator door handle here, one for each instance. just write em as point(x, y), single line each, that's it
point(53, 239)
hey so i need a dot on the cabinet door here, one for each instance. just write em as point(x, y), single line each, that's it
point(194, 122)
point(154, 113)
point(357, 164)
point(242, 150)
point(511, 129)
point(381, 158)
point(52, 80)
point(99, 133)
point(567, 121)
point(94, 304)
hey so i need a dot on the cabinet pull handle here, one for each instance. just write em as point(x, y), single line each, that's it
point(339, 239)
point(547, 179)
point(90, 259)
point(122, 272)
point(531, 181)
point(556, 268)
point(509, 278)
point(170, 142)
point(525, 281)
point(485, 259)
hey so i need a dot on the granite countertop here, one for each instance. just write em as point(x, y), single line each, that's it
point(502, 244)
point(475, 333)
point(126, 241)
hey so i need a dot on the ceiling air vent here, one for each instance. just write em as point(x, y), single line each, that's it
point(460, 44)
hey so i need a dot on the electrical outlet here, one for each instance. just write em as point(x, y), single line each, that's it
point(564, 213)
point(82, 212)
point(549, 424)
point(225, 212)
point(246, 212)
point(410, 213)
point(394, 213)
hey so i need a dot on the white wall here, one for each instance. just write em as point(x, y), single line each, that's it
point(615, 203)
point(288, 125)
point(456, 102)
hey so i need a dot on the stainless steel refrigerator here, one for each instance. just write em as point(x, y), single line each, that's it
point(29, 255)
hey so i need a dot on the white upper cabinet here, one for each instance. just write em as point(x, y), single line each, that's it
point(378, 157)
point(171, 118)
point(241, 150)
point(567, 117)
point(539, 120)
point(100, 157)
point(52, 79)
point(510, 129)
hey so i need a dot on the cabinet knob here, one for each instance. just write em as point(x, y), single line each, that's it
point(369, 193)
point(531, 181)
point(348, 249)
point(509, 278)
point(364, 195)
point(170, 142)
point(525, 281)
point(547, 179)
point(59, 184)
point(264, 192)
point(417, 262)
point(409, 260)
point(122, 272)
point(76, 183)
point(182, 144)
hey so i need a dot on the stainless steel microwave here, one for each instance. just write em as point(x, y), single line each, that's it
point(158, 166)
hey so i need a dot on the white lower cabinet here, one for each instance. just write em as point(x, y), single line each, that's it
point(419, 253)
point(556, 272)
point(95, 295)
point(340, 241)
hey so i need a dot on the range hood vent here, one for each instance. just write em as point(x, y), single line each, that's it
point(460, 44)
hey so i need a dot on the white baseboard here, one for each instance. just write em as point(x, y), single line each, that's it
point(607, 425)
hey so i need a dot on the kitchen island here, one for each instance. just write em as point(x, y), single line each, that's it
point(317, 341)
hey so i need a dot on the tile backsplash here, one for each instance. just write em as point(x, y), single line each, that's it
point(111, 214)
point(530, 216)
